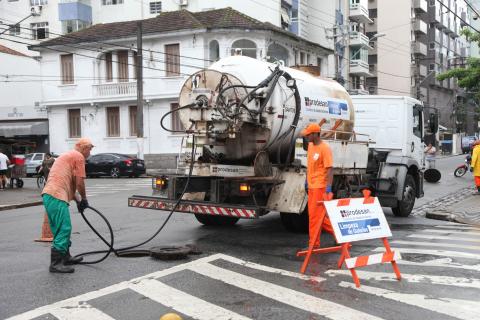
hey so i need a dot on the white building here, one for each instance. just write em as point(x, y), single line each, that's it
point(23, 125)
point(96, 92)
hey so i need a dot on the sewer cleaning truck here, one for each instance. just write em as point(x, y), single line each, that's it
point(243, 156)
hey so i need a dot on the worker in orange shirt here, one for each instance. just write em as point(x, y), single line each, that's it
point(319, 181)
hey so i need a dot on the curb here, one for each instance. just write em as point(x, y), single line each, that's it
point(451, 217)
point(20, 205)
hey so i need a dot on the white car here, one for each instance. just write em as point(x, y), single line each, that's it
point(32, 161)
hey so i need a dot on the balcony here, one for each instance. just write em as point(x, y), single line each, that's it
point(420, 26)
point(419, 48)
point(358, 39)
point(75, 10)
point(115, 89)
point(359, 68)
point(359, 13)
point(420, 5)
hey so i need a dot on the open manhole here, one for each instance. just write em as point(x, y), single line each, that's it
point(170, 252)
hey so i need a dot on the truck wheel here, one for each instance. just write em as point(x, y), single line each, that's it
point(297, 223)
point(405, 206)
point(209, 220)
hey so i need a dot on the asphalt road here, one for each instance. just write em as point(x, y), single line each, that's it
point(245, 272)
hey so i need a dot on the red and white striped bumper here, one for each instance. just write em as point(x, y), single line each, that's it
point(193, 207)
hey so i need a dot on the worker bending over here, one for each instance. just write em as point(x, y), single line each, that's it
point(319, 181)
point(66, 176)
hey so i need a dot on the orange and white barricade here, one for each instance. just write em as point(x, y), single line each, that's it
point(356, 219)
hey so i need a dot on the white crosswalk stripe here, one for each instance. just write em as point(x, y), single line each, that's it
point(379, 283)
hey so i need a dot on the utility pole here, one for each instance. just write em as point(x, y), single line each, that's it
point(139, 67)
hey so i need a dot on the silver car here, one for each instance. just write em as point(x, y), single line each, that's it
point(32, 161)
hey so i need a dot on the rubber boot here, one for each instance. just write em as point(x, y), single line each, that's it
point(69, 260)
point(57, 263)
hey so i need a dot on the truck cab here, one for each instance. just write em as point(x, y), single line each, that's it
point(395, 129)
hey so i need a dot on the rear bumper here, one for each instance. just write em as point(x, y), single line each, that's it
point(195, 207)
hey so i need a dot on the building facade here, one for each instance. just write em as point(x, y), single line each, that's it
point(96, 93)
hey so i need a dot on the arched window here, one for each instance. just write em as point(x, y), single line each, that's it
point(276, 52)
point(246, 47)
point(214, 50)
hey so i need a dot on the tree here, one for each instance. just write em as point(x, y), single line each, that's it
point(468, 76)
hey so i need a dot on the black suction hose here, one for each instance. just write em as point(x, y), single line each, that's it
point(125, 251)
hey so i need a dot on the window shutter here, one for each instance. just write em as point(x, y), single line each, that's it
point(122, 56)
point(67, 68)
point(172, 60)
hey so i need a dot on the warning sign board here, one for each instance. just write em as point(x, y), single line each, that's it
point(357, 220)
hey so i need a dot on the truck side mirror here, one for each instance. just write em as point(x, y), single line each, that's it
point(305, 143)
point(433, 122)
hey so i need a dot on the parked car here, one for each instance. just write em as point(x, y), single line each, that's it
point(114, 165)
point(467, 143)
point(34, 160)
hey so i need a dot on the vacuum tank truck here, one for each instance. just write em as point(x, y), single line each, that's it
point(242, 152)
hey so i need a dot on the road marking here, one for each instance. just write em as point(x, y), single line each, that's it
point(270, 269)
point(457, 308)
point(453, 254)
point(434, 237)
point(413, 278)
point(436, 244)
point(442, 263)
point(81, 312)
point(284, 295)
point(457, 227)
point(75, 302)
point(183, 302)
point(447, 232)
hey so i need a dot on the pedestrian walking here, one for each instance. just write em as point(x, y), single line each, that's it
point(4, 162)
point(319, 181)
point(47, 164)
point(430, 153)
point(475, 164)
point(66, 177)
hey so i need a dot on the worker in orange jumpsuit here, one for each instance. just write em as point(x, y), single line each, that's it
point(319, 181)
point(475, 164)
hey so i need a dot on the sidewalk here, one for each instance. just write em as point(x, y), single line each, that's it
point(20, 197)
point(466, 211)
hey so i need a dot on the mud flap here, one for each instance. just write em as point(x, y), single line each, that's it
point(289, 196)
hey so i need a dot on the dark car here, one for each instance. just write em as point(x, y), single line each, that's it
point(114, 165)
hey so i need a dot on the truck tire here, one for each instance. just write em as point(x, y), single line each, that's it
point(297, 223)
point(405, 206)
point(209, 220)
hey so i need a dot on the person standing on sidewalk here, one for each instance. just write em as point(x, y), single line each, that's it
point(430, 152)
point(66, 177)
point(4, 162)
point(475, 164)
point(319, 181)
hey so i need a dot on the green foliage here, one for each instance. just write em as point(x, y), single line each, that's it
point(469, 75)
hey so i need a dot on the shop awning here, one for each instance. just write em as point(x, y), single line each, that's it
point(23, 128)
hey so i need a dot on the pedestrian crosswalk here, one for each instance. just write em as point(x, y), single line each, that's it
point(97, 188)
point(220, 286)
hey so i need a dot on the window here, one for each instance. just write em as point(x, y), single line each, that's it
point(122, 56)
point(113, 122)
point(176, 123)
point(66, 62)
point(302, 58)
point(108, 67)
point(417, 121)
point(431, 45)
point(135, 62)
point(132, 116)
point(431, 67)
point(111, 2)
point(39, 30)
point(14, 30)
point(155, 7)
point(214, 51)
point(69, 26)
point(172, 60)
point(246, 47)
point(74, 125)
point(372, 13)
point(432, 3)
point(38, 2)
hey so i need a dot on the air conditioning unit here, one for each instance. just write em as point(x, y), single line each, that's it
point(184, 2)
point(36, 10)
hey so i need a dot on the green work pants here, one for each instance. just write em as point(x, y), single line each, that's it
point(60, 224)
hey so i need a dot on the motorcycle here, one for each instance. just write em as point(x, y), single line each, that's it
point(462, 169)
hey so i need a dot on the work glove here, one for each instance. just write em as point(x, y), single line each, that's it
point(82, 205)
point(306, 186)
point(329, 189)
